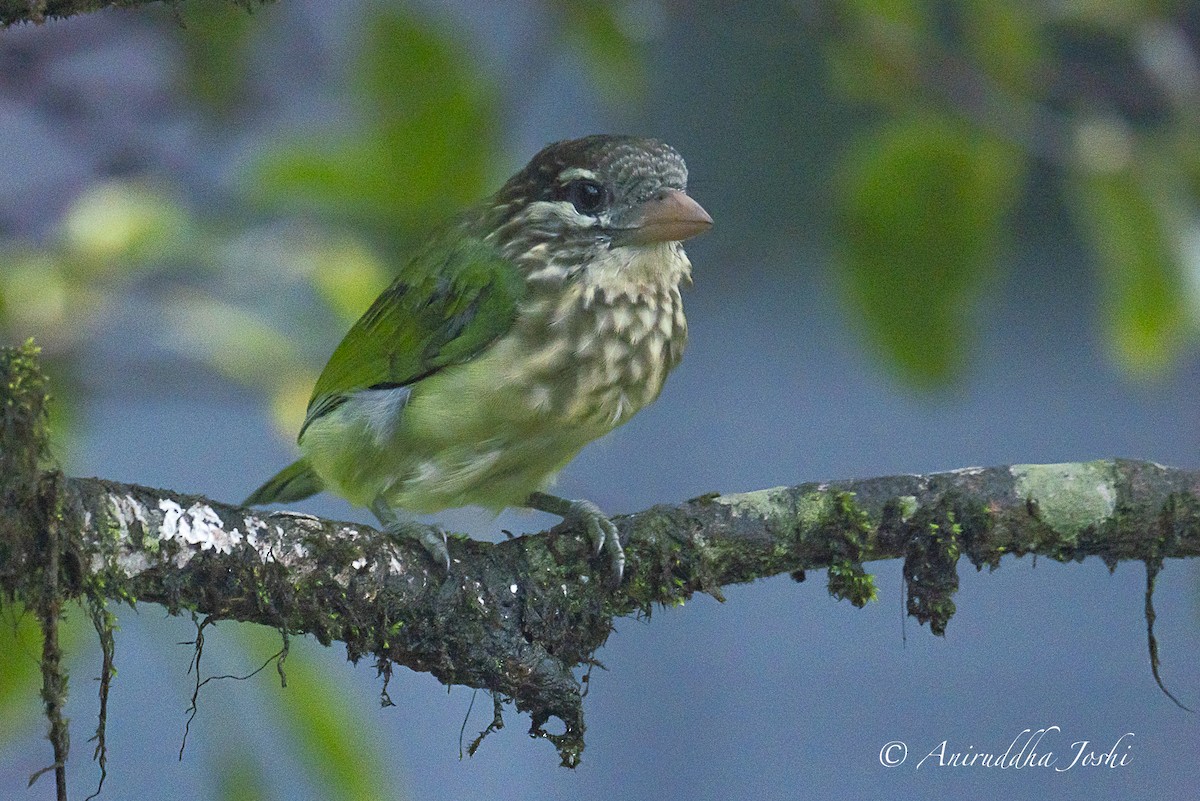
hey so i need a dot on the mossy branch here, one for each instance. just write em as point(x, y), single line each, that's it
point(39, 11)
point(518, 617)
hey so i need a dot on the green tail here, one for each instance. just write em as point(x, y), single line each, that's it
point(293, 483)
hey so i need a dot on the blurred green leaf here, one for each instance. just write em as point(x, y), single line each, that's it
point(350, 277)
point(216, 35)
point(877, 58)
point(921, 204)
point(1008, 40)
point(111, 232)
point(1125, 217)
point(116, 224)
point(20, 674)
point(334, 737)
point(916, 15)
point(423, 149)
point(233, 340)
point(33, 292)
point(20, 668)
point(239, 777)
point(603, 33)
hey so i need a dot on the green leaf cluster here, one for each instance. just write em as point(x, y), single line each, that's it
point(979, 103)
point(923, 202)
point(423, 144)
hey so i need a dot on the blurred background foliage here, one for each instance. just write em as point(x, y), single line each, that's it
point(964, 102)
point(961, 108)
point(972, 97)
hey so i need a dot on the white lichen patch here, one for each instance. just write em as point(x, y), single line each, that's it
point(133, 563)
point(199, 524)
point(267, 540)
point(195, 529)
point(908, 507)
point(254, 527)
point(1070, 497)
point(123, 510)
point(346, 532)
point(761, 504)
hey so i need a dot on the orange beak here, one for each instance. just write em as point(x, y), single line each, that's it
point(671, 216)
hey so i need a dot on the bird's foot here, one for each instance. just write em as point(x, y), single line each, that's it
point(398, 526)
point(432, 539)
point(601, 531)
point(586, 515)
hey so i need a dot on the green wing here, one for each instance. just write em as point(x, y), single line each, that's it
point(448, 304)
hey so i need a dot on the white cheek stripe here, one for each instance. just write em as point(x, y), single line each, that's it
point(575, 174)
point(541, 210)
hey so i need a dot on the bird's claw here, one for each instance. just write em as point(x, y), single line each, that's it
point(431, 538)
point(600, 531)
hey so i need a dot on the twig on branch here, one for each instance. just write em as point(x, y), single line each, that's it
point(39, 11)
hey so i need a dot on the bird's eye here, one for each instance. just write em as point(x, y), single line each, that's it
point(588, 197)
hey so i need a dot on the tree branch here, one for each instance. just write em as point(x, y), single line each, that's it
point(39, 11)
point(517, 617)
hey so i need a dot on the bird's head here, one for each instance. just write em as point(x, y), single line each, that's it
point(586, 196)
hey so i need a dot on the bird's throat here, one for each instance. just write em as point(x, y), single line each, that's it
point(637, 272)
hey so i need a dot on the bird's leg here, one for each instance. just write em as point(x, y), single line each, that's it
point(588, 516)
point(397, 524)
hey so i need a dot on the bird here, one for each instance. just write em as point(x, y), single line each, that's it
point(524, 329)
